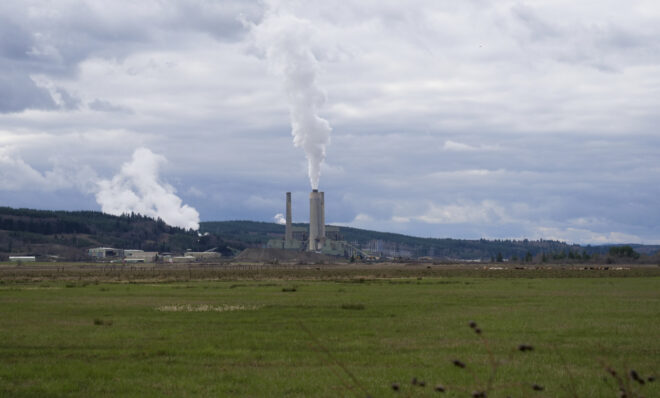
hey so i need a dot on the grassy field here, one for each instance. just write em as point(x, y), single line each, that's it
point(325, 333)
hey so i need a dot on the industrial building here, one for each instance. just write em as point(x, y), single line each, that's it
point(130, 256)
point(203, 256)
point(105, 253)
point(22, 259)
point(140, 256)
point(318, 237)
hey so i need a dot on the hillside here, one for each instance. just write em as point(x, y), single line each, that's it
point(67, 235)
point(397, 245)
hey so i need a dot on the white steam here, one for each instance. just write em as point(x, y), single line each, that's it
point(136, 188)
point(287, 42)
point(279, 219)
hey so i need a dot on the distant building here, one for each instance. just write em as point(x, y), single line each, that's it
point(140, 256)
point(332, 233)
point(300, 233)
point(22, 259)
point(105, 253)
point(182, 259)
point(204, 256)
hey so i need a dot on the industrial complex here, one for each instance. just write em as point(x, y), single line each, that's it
point(319, 238)
point(109, 254)
point(316, 238)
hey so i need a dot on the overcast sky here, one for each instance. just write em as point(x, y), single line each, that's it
point(462, 119)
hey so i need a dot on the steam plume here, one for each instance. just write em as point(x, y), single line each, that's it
point(287, 42)
point(136, 188)
point(279, 219)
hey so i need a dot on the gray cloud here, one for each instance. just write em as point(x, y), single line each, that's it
point(19, 92)
point(106, 106)
point(52, 39)
point(67, 100)
point(464, 119)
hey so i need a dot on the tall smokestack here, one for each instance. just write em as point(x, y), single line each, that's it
point(316, 220)
point(288, 232)
point(322, 216)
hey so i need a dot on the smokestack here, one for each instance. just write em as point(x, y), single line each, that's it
point(322, 216)
point(316, 220)
point(288, 232)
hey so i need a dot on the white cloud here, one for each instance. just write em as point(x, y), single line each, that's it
point(461, 147)
point(259, 202)
point(586, 236)
point(16, 175)
point(194, 191)
point(485, 212)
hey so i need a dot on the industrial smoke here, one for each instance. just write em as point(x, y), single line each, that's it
point(138, 189)
point(287, 42)
point(279, 219)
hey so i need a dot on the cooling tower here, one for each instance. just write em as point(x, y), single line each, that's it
point(316, 220)
point(288, 232)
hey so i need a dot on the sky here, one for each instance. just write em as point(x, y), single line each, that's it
point(470, 119)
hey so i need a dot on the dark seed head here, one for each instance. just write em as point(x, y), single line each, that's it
point(634, 375)
point(422, 383)
point(395, 386)
point(440, 388)
point(611, 371)
point(525, 347)
point(458, 363)
point(477, 330)
point(537, 387)
point(413, 381)
point(478, 394)
point(473, 324)
point(650, 379)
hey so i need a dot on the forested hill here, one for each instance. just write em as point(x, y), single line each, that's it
point(67, 235)
point(258, 233)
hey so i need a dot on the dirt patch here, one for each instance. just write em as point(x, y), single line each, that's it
point(274, 256)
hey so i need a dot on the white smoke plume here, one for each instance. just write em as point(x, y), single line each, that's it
point(137, 188)
point(287, 42)
point(279, 219)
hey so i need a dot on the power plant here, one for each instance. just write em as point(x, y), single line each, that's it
point(318, 237)
point(315, 239)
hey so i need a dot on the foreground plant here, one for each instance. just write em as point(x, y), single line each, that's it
point(482, 387)
point(629, 384)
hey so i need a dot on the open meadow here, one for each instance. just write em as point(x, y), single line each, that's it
point(327, 331)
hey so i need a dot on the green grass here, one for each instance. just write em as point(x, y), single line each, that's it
point(276, 337)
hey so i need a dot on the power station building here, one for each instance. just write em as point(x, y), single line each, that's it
point(318, 237)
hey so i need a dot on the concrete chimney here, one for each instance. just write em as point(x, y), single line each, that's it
point(316, 220)
point(288, 232)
